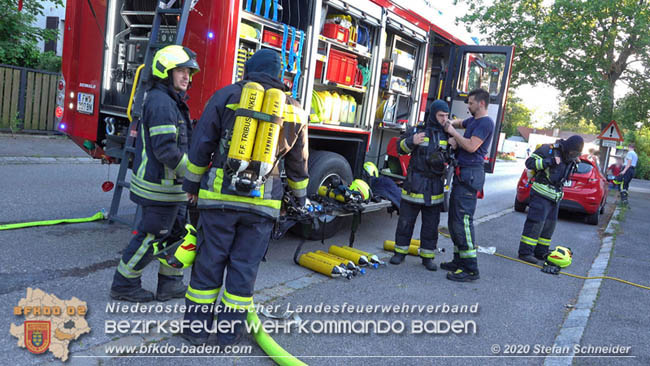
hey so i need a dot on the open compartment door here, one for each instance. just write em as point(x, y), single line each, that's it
point(486, 67)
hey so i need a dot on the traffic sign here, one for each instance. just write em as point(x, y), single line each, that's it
point(611, 132)
point(609, 143)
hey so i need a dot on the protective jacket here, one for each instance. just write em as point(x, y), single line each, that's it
point(209, 150)
point(549, 176)
point(424, 183)
point(160, 161)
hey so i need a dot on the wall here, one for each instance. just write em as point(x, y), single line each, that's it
point(50, 10)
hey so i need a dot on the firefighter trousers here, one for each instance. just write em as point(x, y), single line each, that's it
point(462, 205)
point(539, 226)
point(233, 241)
point(158, 222)
point(408, 214)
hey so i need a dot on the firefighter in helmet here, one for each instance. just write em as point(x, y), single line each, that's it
point(550, 166)
point(423, 190)
point(159, 165)
point(234, 176)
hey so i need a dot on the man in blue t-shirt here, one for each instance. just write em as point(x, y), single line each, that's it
point(472, 147)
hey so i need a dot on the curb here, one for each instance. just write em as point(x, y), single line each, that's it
point(575, 323)
point(9, 160)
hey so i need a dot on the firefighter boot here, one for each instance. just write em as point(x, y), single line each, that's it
point(428, 263)
point(136, 295)
point(397, 258)
point(528, 258)
point(461, 275)
point(170, 287)
point(453, 265)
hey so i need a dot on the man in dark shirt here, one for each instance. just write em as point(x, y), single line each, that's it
point(472, 147)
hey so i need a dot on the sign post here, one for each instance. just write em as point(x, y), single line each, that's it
point(609, 137)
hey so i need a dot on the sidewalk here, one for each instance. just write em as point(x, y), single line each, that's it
point(620, 307)
point(51, 146)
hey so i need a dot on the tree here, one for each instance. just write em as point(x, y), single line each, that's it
point(18, 37)
point(567, 120)
point(516, 115)
point(582, 48)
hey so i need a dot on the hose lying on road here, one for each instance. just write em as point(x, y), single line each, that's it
point(98, 216)
point(564, 273)
point(268, 345)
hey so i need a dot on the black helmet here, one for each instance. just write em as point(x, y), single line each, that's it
point(572, 147)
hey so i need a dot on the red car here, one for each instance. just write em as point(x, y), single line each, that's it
point(586, 191)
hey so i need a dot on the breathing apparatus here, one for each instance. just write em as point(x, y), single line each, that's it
point(254, 142)
point(177, 253)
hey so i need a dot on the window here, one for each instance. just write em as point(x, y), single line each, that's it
point(482, 71)
point(583, 168)
point(51, 23)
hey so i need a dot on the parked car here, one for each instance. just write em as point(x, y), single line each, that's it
point(585, 191)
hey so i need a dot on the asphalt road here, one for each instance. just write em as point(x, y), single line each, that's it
point(517, 305)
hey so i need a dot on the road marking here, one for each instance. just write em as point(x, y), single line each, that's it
point(575, 323)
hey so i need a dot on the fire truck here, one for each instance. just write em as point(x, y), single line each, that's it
point(364, 69)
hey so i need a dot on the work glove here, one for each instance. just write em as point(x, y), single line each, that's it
point(550, 268)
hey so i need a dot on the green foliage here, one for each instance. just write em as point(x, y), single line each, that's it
point(641, 138)
point(516, 115)
point(582, 48)
point(567, 120)
point(49, 61)
point(18, 37)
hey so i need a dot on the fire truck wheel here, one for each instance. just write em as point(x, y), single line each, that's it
point(325, 166)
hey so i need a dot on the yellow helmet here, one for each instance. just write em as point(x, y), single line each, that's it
point(358, 185)
point(180, 254)
point(371, 169)
point(171, 57)
point(560, 256)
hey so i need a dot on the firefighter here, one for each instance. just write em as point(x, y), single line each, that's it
point(159, 165)
point(625, 177)
point(469, 177)
point(550, 166)
point(423, 189)
point(235, 224)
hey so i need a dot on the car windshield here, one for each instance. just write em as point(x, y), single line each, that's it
point(583, 168)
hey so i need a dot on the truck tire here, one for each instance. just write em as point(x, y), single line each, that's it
point(323, 166)
point(520, 206)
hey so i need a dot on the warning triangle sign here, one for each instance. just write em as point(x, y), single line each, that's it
point(611, 132)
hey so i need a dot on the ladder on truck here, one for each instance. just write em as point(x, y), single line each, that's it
point(163, 9)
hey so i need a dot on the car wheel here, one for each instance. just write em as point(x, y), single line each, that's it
point(325, 166)
point(520, 206)
point(593, 218)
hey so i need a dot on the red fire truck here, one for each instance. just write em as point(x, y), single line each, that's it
point(365, 69)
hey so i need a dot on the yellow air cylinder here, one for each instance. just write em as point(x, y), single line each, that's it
point(348, 264)
point(244, 130)
point(318, 265)
point(414, 242)
point(371, 257)
point(322, 191)
point(389, 245)
point(358, 259)
point(268, 133)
